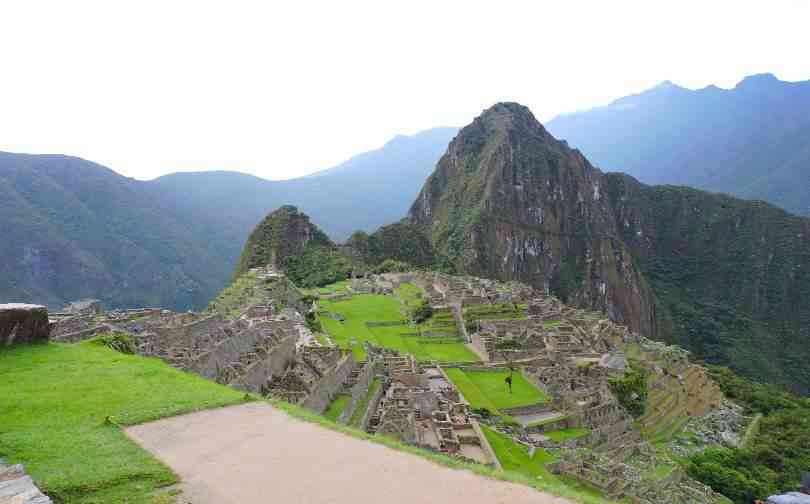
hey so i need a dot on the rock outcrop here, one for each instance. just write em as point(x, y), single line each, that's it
point(16, 487)
point(23, 323)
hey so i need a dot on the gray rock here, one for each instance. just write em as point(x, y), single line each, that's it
point(23, 323)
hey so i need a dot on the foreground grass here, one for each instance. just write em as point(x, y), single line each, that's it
point(54, 400)
point(488, 389)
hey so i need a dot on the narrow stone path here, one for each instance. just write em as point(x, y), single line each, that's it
point(256, 453)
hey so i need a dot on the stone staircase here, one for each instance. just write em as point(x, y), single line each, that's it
point(16, 487)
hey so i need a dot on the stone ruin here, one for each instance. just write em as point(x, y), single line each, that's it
point(23, 323)
point(16, 487)
point(420, 406)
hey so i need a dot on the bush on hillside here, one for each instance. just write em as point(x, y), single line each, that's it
point(317, 266)
point(422, 312)
point(391, 266)
point(631, 390)
point(117, 341)
point(777, 456)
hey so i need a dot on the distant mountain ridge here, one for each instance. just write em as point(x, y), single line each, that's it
point(72, 228)
point(752, 141)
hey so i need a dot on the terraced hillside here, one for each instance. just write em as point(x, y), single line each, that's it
point(350, 320)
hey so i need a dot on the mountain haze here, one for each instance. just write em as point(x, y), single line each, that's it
point(752, 141)
point(73, 228)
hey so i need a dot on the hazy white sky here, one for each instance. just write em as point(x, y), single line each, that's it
point(281, 89)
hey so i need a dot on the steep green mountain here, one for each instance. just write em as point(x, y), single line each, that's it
point(288, 241)
point(70, 228)
point(729, 279)
point(751, 141)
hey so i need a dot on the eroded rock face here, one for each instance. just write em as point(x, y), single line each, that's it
point(23, 323)
point(509, 201)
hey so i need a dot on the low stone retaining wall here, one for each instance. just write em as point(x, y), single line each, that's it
point(260, 372)
point(23, 323)
point(533, 409)
point(329, 385)
point(390, 323)
point(372, 407)
point(359, 391)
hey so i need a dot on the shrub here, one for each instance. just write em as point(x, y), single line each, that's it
point(117, 341)
point(422, 312)
point(631, 390)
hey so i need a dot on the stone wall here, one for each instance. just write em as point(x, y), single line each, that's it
point(275, 362)
point(23, 323)
point(187, 334)
point(359, 390)
point(329, 385)
point(371, 408)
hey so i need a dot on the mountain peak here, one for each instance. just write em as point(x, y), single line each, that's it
point(758, 81)
point(505, 113)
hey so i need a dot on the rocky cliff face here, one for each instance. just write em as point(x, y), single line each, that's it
point(509, 201)
point(729, 279)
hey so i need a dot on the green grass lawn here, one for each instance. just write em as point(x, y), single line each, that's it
point(362, 308)
point(336, 407)
point(515, 457)
point(562, 435)
point(54, 399)
point(487, 389)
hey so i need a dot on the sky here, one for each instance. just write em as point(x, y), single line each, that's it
point(282, 89)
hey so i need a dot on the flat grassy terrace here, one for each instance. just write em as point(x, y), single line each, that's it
point(54, 399)
point(515, 457)
point(361, 309)
point(488, 389)
point(337, 406)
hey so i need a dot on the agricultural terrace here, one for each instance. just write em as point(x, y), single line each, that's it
point(383, 321)
point(488, 389)
point(57, 400)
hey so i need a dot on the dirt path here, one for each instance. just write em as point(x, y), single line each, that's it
point(256, 453)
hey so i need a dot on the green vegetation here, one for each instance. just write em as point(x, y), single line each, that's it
point(422, 312)
point(337, 406)
point(392, 266)
point(565, 434)
point(488, 389)
point(119, 342)
point(244, 291)
point(515, 457)
point(631, 390)
point(401, 242)
point(317, 266)
point(776, 454)
point(362, 311)
point(362, 406)
point(60, 411)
